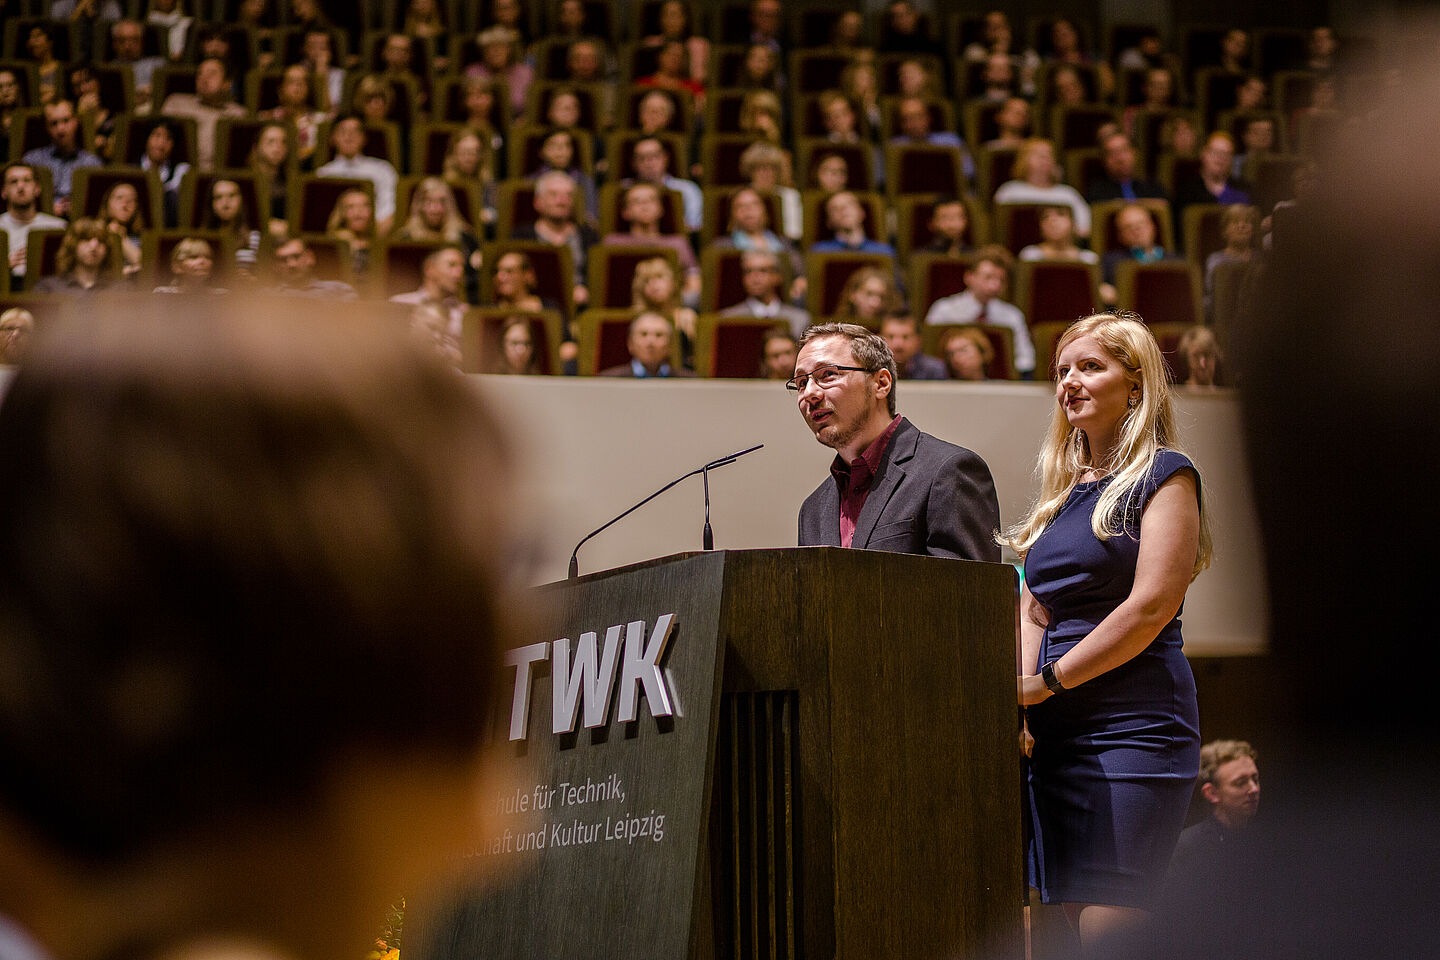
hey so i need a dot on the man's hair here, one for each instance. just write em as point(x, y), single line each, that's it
point(996, 254)
point(435, 254)
point(1217, 753)
point(5, 171)
point(259, 515)
point(869, 349)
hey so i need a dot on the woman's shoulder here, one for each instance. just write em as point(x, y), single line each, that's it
point(1167, 463)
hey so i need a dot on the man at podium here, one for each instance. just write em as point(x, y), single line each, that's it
point(891, 487)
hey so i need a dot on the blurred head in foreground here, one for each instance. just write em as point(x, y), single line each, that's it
point(248, 624)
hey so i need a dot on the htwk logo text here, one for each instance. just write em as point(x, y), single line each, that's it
point(589, 677)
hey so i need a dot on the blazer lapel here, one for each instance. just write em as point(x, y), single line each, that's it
point(829, 515)
point(892, 471)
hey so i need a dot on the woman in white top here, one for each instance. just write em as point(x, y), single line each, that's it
point(1037, 180)
point(1057, 238)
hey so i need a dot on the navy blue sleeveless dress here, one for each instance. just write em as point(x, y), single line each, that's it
point(1115, 759)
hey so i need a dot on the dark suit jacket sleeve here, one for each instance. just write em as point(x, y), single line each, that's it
point(962, 511)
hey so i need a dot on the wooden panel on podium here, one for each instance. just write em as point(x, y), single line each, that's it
point(852, 792)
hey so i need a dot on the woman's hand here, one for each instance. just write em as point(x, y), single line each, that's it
point(1032, 690)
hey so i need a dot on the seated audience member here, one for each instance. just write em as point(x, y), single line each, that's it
point(442, 279)
point(641, 209)
point(159, 156)
point(980, 303)
point(1249, 94)
point(761, 70)
point(967, 352)
point(777, 355)
point(318, 55)
point(1239, 224)
point(868, 297)
point(40, 51)
point(398, 56)
point(1057, 238)
point(120, 212)
point(948, 223)
point(63, 155)
point(470, 161)
point(649, 343)
point(1258, 138)
point(1235, 51)
point(914, 128)
point(676, 24)
point(901, 332)
point(655, 113)
point(21, 193)
point(191, 263)
point(517, 349)
point(762, 278)
point(225, 211)
point(837, 113)
point(434, 217)
point(762, 116)
point(347, 137)
point(243, 500)
point(766, 168)
point(11, 102)
point(999, 79)
point(1158, 95)
point(904, 31)
point(298, 108)
point(295, 270)
point(558, 153)
point(1120, 182)
point(672, 72)
point(586, 62)
point(1230, 783)
point(211, 101)
point(1136, 229)
point(555, 223)
point(83, 264)
point(1200, 352)
point(1012, 124)
point(845, 217)
point(1179, 136)
point(832, 173)
point(750, 230)
point(127, 46)
point(652, 163)
point(1037, 180)
point(514, 284)
point(656, 289)
point(17, 326)
point(1215, 181)
point(270, 161)
point(500, 60)
point(352, 220)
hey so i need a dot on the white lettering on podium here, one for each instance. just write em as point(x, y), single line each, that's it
point(589, 678)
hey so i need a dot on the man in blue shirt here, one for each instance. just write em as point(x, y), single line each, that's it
point(845, 217)
point(64, 155)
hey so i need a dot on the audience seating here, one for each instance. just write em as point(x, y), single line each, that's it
point(730, 347)
point(934, 276)
point(90, 184)
point(828, 273)
point(612, 270)
point(1169, 291)
point(1056, 290)
point(1002, 342)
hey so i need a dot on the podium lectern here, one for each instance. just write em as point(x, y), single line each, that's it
point(837, 776)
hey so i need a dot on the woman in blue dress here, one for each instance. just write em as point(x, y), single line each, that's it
point(1110, 546)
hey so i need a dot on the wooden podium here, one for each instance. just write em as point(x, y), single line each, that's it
point(849, 788)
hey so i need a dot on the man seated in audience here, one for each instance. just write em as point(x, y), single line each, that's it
point(442, 276)
point(319, 60)
point(641, 208)
point(398, 55)
point(777, 355)
point(914, 116)
point(649, 343)
point(980, 303)
point(1215, 182)
point(347, 137)
point(21, 193)
point(127, 47)
point(1136, 229)
point(845, 217)
point(762, 278)
point(63, 155)
point(585, 64)
point(1120, 181)
point(1258, 138)
point(655, 112)
point(295, 269)
point(949, 222)
point(766, 25)
point(652, 165)
point(901, 332)
point(555, 224)
point(1230, 783)
point(210, 102)
point(999, 78)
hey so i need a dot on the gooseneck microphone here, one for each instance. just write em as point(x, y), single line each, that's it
point(707, 539)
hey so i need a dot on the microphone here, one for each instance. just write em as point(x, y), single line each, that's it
point(708, 538)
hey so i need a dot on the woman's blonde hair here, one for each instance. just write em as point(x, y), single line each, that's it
point(846, 311)
point(336, 226)
point(1021, 168)
point(647, 270)
point(485, 173)
point(1146, 428)
point(755, 104)
point(415, 227)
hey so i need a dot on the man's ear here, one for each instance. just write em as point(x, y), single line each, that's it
point(1207, 790)
point(883, 383)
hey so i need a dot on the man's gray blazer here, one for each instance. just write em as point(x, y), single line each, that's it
point(928, 497)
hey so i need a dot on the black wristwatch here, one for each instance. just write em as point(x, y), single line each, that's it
point(1047, 673)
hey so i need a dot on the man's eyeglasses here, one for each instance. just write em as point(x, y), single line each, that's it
point(825, 377)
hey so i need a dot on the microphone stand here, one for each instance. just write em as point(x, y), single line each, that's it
point(709, 539)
